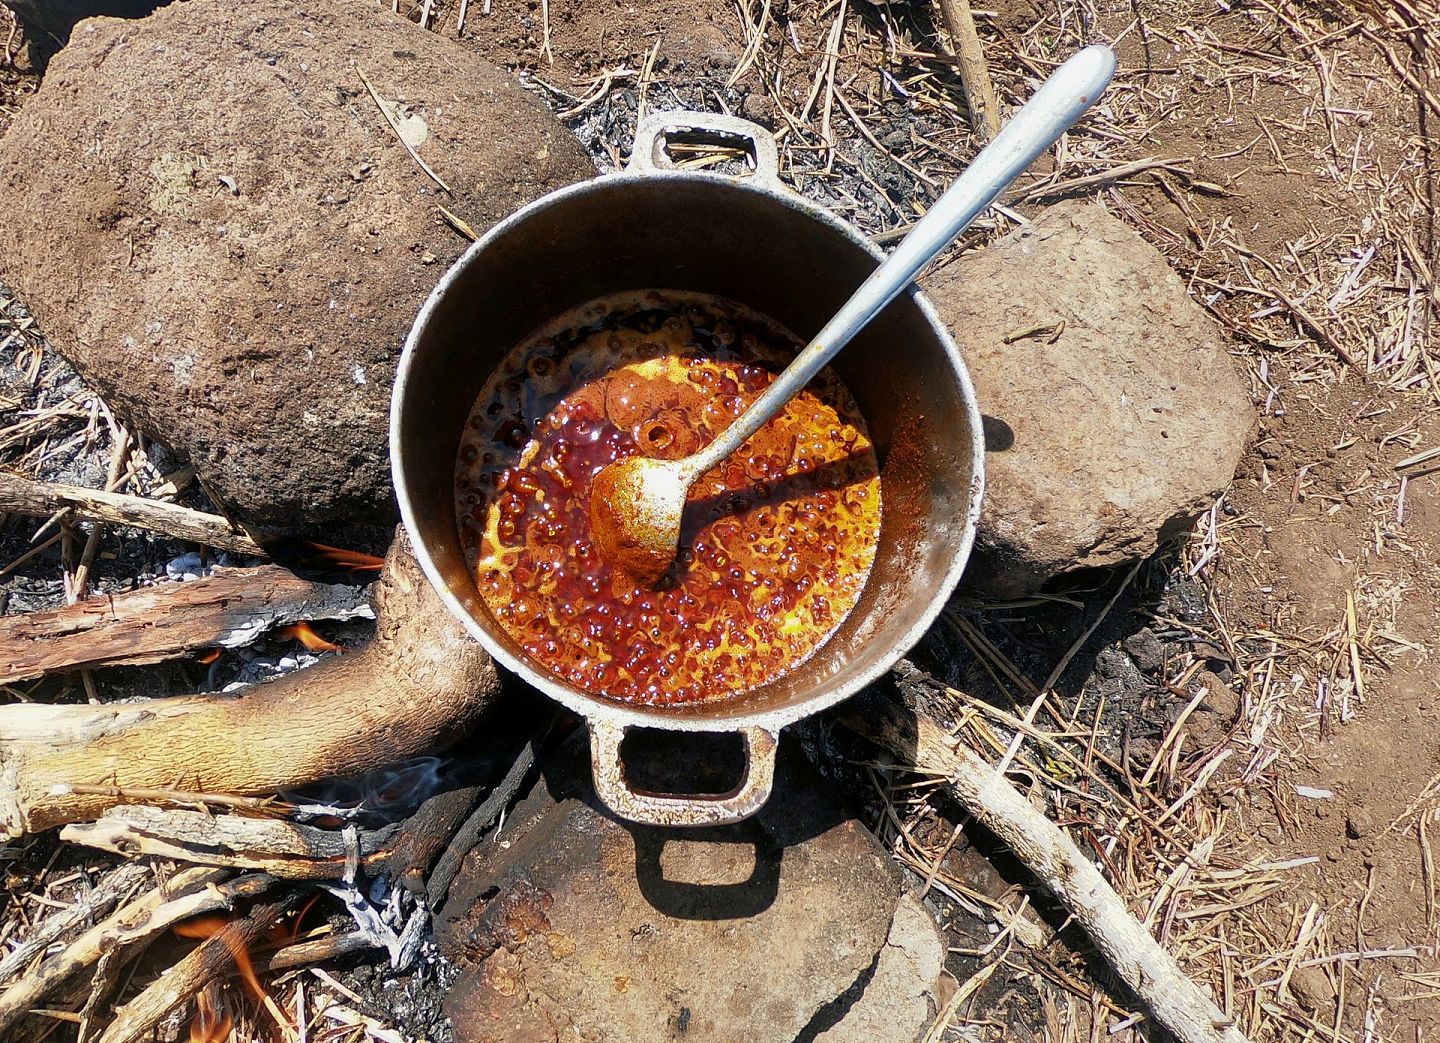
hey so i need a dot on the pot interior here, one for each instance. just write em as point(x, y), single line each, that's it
point(776, 254)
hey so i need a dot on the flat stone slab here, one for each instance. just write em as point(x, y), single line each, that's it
point(586, 928)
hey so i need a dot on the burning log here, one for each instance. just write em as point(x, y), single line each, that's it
point(24, 496)
point(419, 685)
point(188, 893)
point(212, 959)
point(228, 608)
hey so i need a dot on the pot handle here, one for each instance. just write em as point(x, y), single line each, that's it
point(648, 153)
point(673, 809)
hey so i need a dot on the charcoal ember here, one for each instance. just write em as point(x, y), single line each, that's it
point(1113, 413)
point(588, 928)
point(1146, 650)
point(230, 243)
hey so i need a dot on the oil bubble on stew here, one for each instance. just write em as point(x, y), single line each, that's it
point(776, 542)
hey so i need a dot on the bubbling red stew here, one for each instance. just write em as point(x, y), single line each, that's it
point(777, 541)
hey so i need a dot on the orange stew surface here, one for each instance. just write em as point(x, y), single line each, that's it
point(777, 541)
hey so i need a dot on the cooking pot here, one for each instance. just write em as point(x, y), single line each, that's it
point(749, 238)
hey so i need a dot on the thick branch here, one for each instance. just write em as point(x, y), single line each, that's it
point(1140, 961)
point(226, 609)
point(419, 685)
point(23, 496)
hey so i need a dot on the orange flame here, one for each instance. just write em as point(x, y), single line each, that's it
point(306, 636)
point(210, 656)
point(210, 1025)
point(208, 927)
point(338, 557)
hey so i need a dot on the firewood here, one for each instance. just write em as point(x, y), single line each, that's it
point(481, 819)
point(317, 950)
point(284, 849)
point(25, 496)
point(188, 893)
point(1052, 857)
point(424, 836)
point(974, 70)
point(212, 959)
point(226, 609)
point(419, 685)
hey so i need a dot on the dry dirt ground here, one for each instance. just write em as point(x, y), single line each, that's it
point(1276, 829)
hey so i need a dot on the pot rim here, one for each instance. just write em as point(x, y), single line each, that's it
point(675, 718)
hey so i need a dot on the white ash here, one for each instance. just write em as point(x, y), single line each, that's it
point(395, 921)
point(272, 656)
point(187, 567)
point(607, 129)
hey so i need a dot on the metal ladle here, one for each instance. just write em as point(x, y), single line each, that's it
point(636, 503)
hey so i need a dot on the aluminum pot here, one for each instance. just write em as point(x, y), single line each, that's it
point(749, 238)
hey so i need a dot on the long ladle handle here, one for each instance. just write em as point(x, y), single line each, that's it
point(1059, 102)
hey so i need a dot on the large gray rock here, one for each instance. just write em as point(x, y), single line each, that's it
point(588, 929)
point(210, 217)
point(1113, 415)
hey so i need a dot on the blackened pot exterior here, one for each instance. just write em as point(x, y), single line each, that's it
point(754, 241)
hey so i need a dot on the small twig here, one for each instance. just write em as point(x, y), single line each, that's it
point(646, 71)
point(974, 71)
point(1310, 323)
point(458, 223)
point(181, 797)
point(80, 585)
point(387, 111)
point(756, 33)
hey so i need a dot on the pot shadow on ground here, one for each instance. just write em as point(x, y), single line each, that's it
point(1125, 637)
point(799, 809)
point(47, 24)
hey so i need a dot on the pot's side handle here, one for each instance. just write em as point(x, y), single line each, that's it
point(648, 153)
point(671, 809)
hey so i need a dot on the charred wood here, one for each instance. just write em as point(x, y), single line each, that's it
point(418, 686)
point(229, 608)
